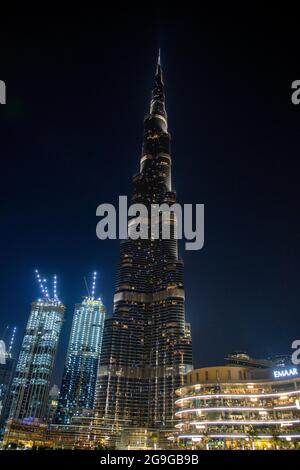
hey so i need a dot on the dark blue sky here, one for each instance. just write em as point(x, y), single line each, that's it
point(71, 134)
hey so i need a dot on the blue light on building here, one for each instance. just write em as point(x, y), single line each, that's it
point(30, 386)
point(80, 372)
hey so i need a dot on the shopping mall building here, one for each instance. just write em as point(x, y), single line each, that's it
point(239, 406)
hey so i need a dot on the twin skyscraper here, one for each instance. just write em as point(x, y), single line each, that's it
point(32, 380)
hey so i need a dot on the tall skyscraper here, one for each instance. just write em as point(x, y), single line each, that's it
point(147, 343)
point(31, 383)
point(80, 373)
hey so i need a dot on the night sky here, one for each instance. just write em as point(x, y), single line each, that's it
point(70, 139)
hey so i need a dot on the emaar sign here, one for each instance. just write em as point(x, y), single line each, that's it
point(285, 373)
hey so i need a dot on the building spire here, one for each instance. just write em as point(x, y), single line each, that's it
point(158, 74)
point(158, 96)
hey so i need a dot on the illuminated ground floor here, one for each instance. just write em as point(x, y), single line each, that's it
point(226, 407)
point(84, 434)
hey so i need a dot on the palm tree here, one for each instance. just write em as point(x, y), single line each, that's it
point(205, 441)
point(240, 444)
point(252, 433)
point(154, 439)
point(275, 439)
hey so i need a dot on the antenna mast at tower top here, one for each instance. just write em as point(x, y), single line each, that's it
point(55, 287)
point(44, 288)
point(12, 339)
point(94, 284)
point(41, 283)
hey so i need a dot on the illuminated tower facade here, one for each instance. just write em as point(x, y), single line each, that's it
point(147, 343)
point(31, 383)
point(80, 373)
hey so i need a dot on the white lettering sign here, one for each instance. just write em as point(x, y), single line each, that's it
point(285, 373)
